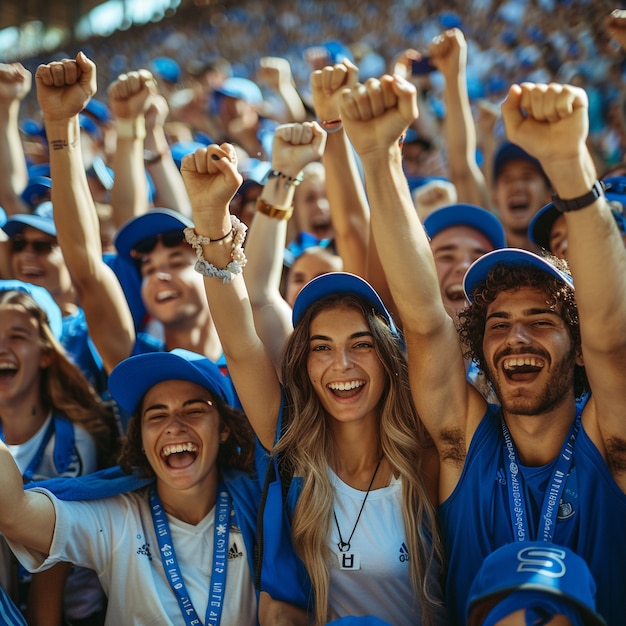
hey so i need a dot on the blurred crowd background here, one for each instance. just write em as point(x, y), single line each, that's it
point(508, 41)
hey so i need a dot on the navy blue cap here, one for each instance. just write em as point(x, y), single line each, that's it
point(154, 222)
point(338, 283)
point(537, 566)
point(507, 152)
point(133, 377)
point(512, 257)
point(479, 219)
point(41, 218)
point(43, 299)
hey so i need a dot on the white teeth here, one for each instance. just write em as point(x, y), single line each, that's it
point(353, 384)
point(514, 362)
point(7, 366)
point(179, 447)
point(164, 295)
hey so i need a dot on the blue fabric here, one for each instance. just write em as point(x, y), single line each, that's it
point(476, 520)
point(81, 351)
point(281, 573)
point(130, 280)
point(10, 615)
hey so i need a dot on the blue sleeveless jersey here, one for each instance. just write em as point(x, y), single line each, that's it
point(591, 518)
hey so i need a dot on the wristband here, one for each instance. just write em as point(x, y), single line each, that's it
point(597, 191)
point(279, 213)
point(131, 129)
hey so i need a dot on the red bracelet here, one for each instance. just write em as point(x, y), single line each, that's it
point(330, 123)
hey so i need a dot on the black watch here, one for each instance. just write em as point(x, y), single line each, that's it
point(597, 191)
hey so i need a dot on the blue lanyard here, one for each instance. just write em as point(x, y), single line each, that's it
point(517, 501)
point(35, 462)
point(220, 559)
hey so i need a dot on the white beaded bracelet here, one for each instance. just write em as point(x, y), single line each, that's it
point(237, 255)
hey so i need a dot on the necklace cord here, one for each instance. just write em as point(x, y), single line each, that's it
point(344, 546)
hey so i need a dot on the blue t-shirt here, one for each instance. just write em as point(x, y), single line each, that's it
point(591, 518)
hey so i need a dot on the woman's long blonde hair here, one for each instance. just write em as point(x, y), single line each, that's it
point(63, 387)
point(308, 448)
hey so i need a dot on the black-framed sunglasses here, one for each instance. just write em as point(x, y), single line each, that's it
point(39, 246)
point(170, 239)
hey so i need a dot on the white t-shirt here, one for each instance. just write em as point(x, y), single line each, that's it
point(83, 594)
point(381, 586)
point(115, 537)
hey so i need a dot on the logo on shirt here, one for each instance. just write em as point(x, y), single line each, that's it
point(404, 553)
point(234, 552)
point(145, 550)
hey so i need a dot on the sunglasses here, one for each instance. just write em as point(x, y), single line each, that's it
point(39, 246)
point(170, 239)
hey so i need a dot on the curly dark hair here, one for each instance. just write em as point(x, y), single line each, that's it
point(237, 452)
point(471, 320)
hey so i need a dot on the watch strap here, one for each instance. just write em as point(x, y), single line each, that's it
point(564, 206)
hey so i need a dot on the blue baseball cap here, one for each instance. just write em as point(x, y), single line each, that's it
point(242, 89)
point(154, 222)
point(512, 257)
point(42, 218)
point(133, 377)
point(166, 69)
point(43, 299)
point(507, 152)
point(537, 566)
point(338, 283)
point(98, 109)
point(181, 149)
point(541, 225)
point(479, 219)
point(38, 187)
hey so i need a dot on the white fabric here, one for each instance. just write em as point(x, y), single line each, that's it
point(382, 586)
point(115, 537)
point(83, 594)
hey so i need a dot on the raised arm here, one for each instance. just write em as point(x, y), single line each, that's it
point(346, 195)
point(211, 178)
point(170, 190)
point(375, 115)
point(26, 517)
point(129, 98)
point(551, 122)
point(15, 84)
point(275, 72)
point(63, 89)
point(448, 53)
point(295, 145)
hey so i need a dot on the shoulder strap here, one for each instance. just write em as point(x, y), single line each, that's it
point(64, 449)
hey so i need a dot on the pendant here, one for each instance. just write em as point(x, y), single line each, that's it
point(349, 560)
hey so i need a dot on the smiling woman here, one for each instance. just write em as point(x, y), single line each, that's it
point(186, 533)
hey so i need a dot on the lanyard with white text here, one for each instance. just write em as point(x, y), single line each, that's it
point(220, 559)
point(552, 498)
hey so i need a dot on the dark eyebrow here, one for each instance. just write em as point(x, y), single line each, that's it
point(527, 313)
point(364, 333)
point(161, 407)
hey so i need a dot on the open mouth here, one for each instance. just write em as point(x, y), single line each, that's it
point(164, 296)
point(180, 455)
point(7, 371)
point(522, 368)
point(346, 389)
point(455, 292)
